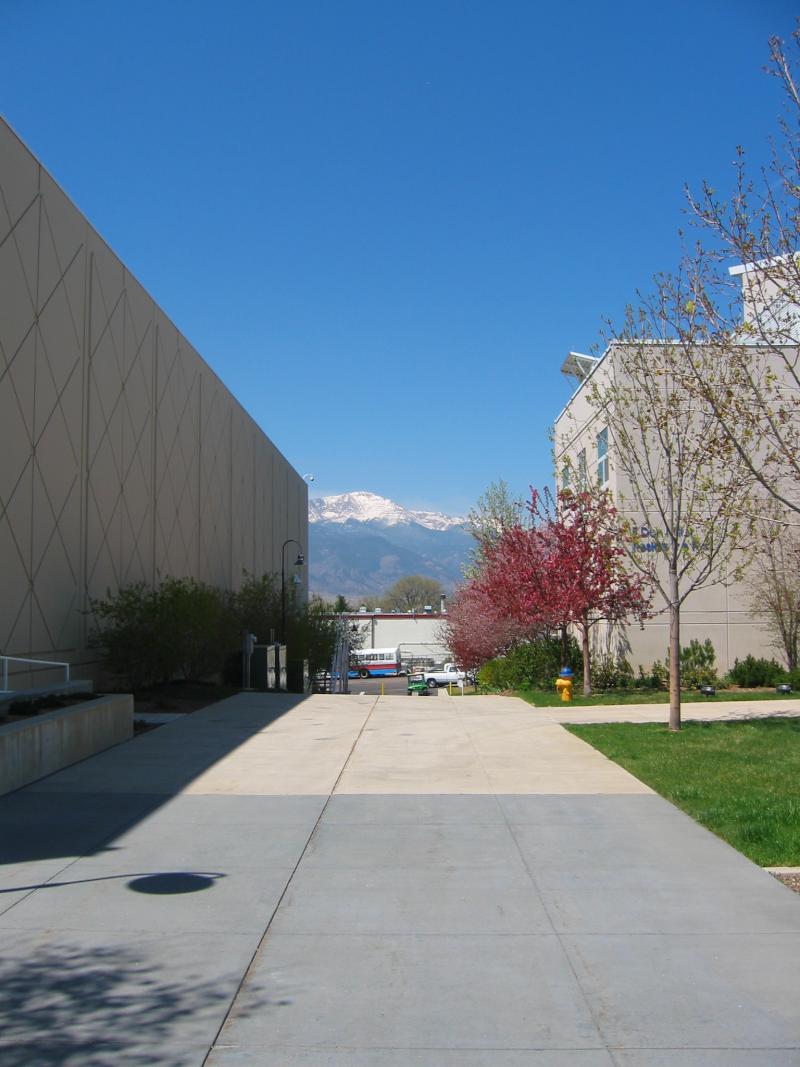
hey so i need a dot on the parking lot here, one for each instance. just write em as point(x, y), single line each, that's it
point(372, 686)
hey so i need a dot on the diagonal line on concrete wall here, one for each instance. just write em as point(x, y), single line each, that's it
point(56, 530)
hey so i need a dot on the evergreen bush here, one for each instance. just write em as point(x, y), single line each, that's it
point(698, 664)
point(751, 672)
point(532, 665)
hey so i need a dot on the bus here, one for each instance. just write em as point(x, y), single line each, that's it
point(375, 663)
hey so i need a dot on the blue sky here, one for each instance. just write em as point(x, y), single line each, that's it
point(385, 224)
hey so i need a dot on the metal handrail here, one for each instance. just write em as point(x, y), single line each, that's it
point(20, 659)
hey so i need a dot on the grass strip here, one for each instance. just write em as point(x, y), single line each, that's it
point(739, 779)
point(546, 698)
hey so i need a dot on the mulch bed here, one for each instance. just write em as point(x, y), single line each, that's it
point(180, 697)
point(792, 880)
point(21, 710)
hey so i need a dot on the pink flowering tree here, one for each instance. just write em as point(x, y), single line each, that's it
point(475, 631)
point(568, 568)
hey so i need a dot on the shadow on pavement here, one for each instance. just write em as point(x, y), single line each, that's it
point(161, 884)
point(60, 998)
point(46, 821)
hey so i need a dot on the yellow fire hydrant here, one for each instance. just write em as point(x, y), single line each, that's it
point(564, 684)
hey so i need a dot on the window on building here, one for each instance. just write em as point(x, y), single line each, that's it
point(602, 457)
point(565, 477)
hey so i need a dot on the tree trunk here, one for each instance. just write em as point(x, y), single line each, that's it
point(674, 655)
point(564, 645)
point(587, 671)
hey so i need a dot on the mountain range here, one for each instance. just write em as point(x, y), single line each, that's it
point(361, 543)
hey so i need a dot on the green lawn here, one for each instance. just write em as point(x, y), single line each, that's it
point(548, 698)
point(740, 779)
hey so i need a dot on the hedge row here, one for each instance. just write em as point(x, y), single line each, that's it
point(185, 629)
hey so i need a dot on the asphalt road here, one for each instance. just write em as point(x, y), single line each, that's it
point(372, 686)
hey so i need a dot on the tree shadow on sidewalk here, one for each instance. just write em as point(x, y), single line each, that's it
point(102, 1007)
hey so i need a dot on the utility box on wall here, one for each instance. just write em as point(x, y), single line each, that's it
point(259, 667)
point(298, 676)
point(269, 668)
point(281, 681)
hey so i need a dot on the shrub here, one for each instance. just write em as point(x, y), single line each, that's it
point(256, 608)
point(149, 636)
point(534, 664)
point(312, 635)
point(128, 632)
point(609, 672)
point(752, 672)
point(654, 677)
point(698, 664)
point(659, 675)
point(490, 676)
point(193, 617)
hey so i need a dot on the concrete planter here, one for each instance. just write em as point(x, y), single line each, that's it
point(46, 743)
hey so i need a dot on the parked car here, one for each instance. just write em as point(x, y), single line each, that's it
point(449, 673)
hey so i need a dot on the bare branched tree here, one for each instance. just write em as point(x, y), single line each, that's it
point(749, 377)
point(687, 509)
point(774, 584)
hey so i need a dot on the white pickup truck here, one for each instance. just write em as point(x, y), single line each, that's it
point(449, 673)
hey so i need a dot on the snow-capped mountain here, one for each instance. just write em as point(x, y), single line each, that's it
point(369, 507)
point(361, 543)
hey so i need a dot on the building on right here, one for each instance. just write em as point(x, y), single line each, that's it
point(698, 518)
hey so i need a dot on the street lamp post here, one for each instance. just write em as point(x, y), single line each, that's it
point(298, 563)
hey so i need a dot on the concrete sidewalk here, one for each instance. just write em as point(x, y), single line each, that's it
point(691, 711)
point(381, 882)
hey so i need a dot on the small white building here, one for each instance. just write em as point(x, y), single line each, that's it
point(418, 635)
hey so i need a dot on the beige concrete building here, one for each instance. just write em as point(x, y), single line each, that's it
point(585, 453)
point(124, 457)
point(418, 635)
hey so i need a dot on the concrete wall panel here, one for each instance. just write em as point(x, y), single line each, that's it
point(20, 186)
point(18, 239)
point(47, 743)
point(125, 458)
point(243, 485)
point(215, 483)
point(177, 454)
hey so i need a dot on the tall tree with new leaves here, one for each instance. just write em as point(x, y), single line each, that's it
point(412, 593)
point(568, 567)
point(687, 501)
point(494, 512)
point(748, 374)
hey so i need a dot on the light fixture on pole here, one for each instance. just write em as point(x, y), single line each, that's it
point(298, 563)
